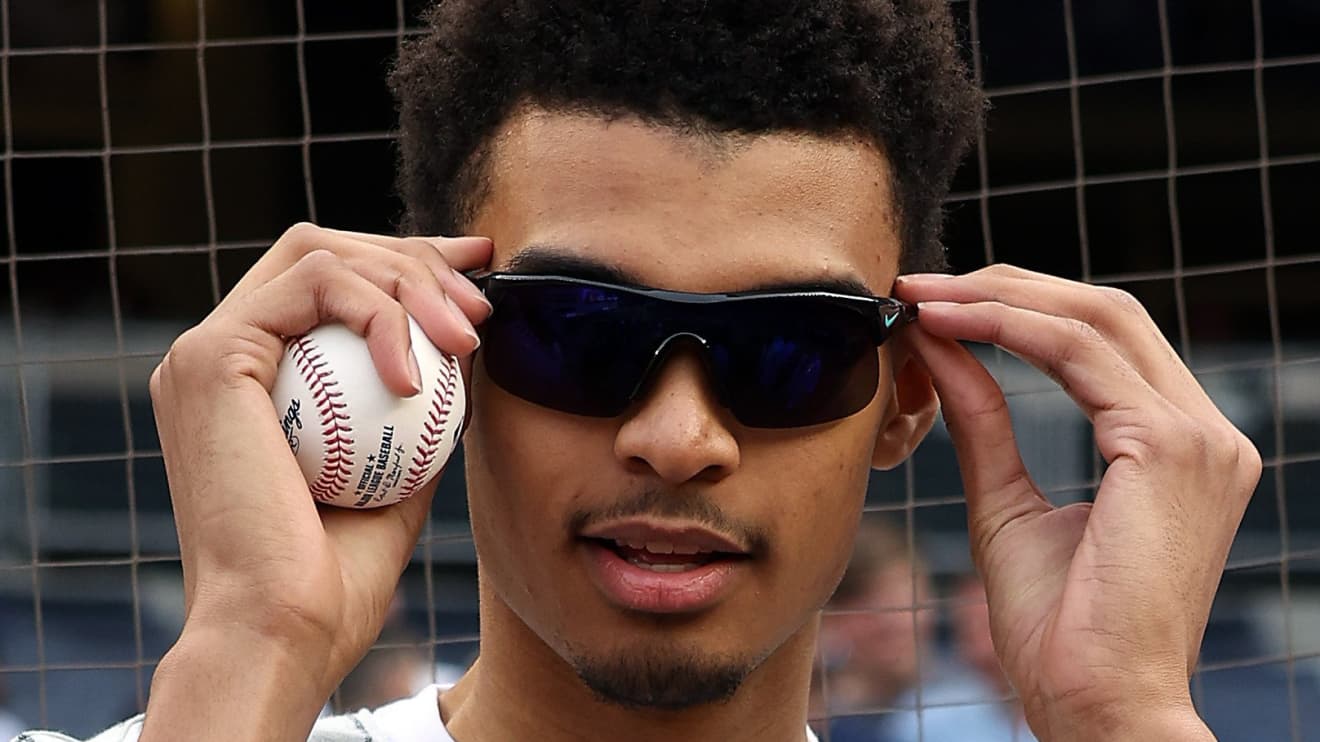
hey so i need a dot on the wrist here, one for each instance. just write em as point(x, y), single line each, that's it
point(1177, 723)
point(230, 684)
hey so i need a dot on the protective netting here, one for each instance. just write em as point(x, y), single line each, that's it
point(153, 150)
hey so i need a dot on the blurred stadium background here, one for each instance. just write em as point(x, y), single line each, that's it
point(154, 148)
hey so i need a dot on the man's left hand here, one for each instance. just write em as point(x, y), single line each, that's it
point(1097, 609)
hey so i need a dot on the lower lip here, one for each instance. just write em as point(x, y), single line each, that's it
point(640, 589)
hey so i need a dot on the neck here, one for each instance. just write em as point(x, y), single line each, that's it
point(521, 689)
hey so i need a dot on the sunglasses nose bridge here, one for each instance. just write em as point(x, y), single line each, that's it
point(668, 347)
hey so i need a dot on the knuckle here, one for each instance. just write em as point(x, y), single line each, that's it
point(399, 283)
point(400, 265)
point(1250, 455)
point(319, 263)
point(1083, 332)
point(1085, 339)
point(994, 318)
point(319, 274)
point(185, 346)
point(1002, 269)
point(1250, 464)
point(299, 238)
point(301, 233)
point(1244, 458)
point(190, 351)
point(399, 275)
point(1120, 300)
point(154, 387)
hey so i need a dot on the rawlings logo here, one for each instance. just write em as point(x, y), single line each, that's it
point(290, 423)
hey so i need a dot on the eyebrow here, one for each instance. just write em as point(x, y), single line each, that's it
point(562, 261)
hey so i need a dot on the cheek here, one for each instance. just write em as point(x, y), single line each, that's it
point(510, 466)
point(524, 472)
point(819, 481)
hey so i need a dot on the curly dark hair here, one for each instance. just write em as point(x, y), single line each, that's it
point(886, 70)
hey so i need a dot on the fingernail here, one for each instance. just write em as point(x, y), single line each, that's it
point(414, 372)
point(915, 277)
point(463, 322)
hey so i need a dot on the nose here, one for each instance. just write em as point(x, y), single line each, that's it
point(678, 430)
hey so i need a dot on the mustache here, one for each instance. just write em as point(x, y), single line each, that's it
point(692, 507)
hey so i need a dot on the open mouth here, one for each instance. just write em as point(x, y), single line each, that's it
point(651, 566)
point(664, 556)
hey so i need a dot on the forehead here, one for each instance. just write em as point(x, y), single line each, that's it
point(690, 212)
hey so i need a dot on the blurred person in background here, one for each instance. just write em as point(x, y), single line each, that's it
point(400, 667)
point(388, 673)
point(969, 617)
point(872, 633)
point(886, 677)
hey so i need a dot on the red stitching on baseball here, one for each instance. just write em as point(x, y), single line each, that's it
point(442, 401)
point(335, 430)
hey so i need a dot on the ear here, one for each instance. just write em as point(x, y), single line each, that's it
point(912, 407)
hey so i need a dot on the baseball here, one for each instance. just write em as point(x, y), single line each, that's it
point(358, 444)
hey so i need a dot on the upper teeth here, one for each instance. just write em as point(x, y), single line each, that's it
point(663, 547)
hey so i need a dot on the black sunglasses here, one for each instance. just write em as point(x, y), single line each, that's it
point(775, 359)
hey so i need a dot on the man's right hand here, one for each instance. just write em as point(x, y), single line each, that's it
point(282, 597)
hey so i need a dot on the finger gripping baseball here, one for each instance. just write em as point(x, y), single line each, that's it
point(436, 427)
point(371, 447)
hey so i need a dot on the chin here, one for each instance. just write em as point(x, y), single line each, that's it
point(664, 676)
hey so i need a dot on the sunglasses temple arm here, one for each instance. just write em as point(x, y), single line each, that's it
point(909, 313)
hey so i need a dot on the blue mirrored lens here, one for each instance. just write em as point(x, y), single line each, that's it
point(774, 361)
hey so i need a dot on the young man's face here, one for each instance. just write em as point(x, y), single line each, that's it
point(670, 211)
